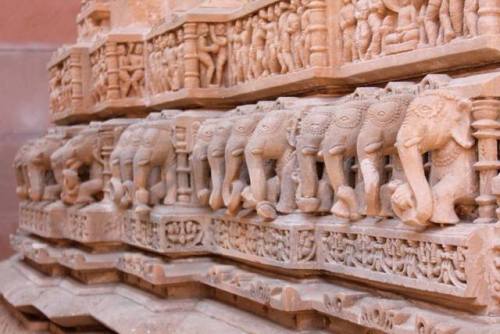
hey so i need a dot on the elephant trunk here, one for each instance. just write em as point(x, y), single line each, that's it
point(307, 158)
point(216, 162)
point(233, 164)
point(200, 173)
point(371, 179)
point(36, 181)
point(412, 162)
point(334, 163)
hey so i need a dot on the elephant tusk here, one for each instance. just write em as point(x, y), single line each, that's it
point(413, 141)
point(257, 151)
point(217, 154)
point(309, 151)
point(373, 147)
point(237, 153)
point(339, 149)
point(143, 162)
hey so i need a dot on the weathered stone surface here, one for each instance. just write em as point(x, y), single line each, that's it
point(366, 209)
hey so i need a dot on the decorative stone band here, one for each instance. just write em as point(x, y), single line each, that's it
point(365, 308)
point(256, 52)
point(436, 261)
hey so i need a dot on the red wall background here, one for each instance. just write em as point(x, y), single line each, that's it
point(30, 30)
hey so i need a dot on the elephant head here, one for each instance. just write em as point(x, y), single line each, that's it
point(438, 122)
point(234, 178)
point(376, 141)
point(154, 165)
point(199, 159)
point(312, 131)
point(121, 164)
point(337, 148)
point(82, 162)
point(42, 180)
point(273, 140)
point(216, 153)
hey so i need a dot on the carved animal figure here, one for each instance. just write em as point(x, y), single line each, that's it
point(154, 164)
point(437, 122)
point(83, 167)
point(199, 157)
point(376, 141)
point(273, 139)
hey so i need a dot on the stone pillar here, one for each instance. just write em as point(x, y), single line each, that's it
point(108, 137)
point(75, 66)
point(318, 33)
point(113, 92)
point(191, 64)
point(485, 112)
point(489, 17)
point(183, 168)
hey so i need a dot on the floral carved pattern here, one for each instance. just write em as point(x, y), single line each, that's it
point(438, 263)
point(187, 233)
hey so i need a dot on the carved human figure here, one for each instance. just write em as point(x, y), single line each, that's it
point(137, 69)
point(376, 13)
point(471, 8)
point(363, 31)
point(407, 29)
point(272, 42)
point(273, 140)
point(55, 86)
point(218, 36)
point(306, 23)
point(237, 65)
point(257, 46)
point(376, 141)
point(170, 62)
point(124, 69)
point(289, 36)
point(154, 164)
point(204, 50)
point(437, 121)
point(348, 28)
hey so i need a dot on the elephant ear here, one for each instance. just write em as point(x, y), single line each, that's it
point(461, 132)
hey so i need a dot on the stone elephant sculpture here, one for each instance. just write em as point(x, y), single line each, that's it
point(154, 165)
point(45, 182)
point(216, 160)
point(436, 122)
point(199, 160)
point(273, 140)
point(20, 165)
point(376, 141)
point(338, 148)
point(314, 193)
point(236, 177)
point(121, 163)
point(83, 167)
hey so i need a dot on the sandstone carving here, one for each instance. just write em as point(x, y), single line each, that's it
point(344, 180)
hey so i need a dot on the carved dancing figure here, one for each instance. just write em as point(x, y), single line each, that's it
point(218, 36)
point(348, 29)
point(204, 51)
point(137, 69)
point(257, 46)
point(363, 31)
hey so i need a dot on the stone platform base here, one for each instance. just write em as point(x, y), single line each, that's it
point(82, 289)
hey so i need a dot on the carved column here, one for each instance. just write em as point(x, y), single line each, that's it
point(191, 64)
point(183, 169)
point(489, 17)
point(113, 92)
point(485, 112)
point(107, 138)
point(318, 32)
point(75, 66)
